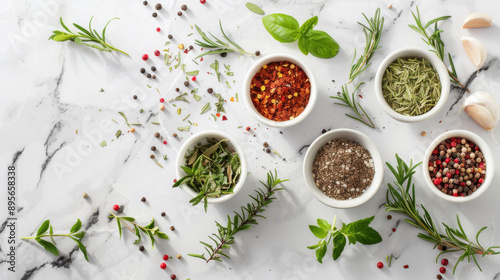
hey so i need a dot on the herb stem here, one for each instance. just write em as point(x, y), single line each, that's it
point(45, 235)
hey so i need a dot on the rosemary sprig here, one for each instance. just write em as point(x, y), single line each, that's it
point(401, 198)
point(90, 38)
point(241, 221)
point(373, 32)
point(349, 100)
point(74, 233)
point(217, 44)
point(150, 230)
point(434, 40)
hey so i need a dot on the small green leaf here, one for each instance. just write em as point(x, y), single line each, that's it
point(283, 28)
point(161, 235)
point(79, 235)
point(323, 224)
point(43, 228)
point(48, 246)
point(321, 44)
point(361, 232)
point(312, 247)
point(254, 8)
point(103, 143)
point(339, 243)
point(129, 219)
point(304, 45)
point(320, 253)
point(318, 232)
point(119, 227)
point(151, 224)
point(118, 134)
point(51, 232)
point(193, 73)
point(198, 256)
point(76, 227)
point(82, 248)
point(308, 25)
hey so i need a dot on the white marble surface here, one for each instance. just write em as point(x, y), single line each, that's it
point(50, 90)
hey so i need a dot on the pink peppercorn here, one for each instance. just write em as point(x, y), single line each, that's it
point(163, 265)
point(164, 142)
point(145, 57)
point(444, 261)
point(380, 265)
point(157, 53)
point(165, 257)
point(158, 29)
point(193, 78)
point(203, 1)
point(162, 100)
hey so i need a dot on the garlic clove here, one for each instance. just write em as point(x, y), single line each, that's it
point(477, 20)
point(475, 50)
point(483, 109)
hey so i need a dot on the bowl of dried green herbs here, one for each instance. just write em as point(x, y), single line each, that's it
point(211, 166)
point(412, 85)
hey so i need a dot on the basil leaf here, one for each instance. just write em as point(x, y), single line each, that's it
point(321, 44)
point(320, 253)
point(304, 45)
point(254, 8)
point(324, 224)
point(368, 236)
point(338, 245)
point(308, 25)
point(283, 28)
point(361, 232)
point(318, 232)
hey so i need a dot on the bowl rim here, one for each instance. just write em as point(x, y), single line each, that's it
point(437, 64)
point(313, 95)
point(361, 139)
point(485, 149)
point(200, 136)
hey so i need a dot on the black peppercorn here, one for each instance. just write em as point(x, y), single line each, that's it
point(143, 70)
point(154, 76)
point(163, 214)
point(184, 7)
point(177, 89)
point(172, 228)
point(266, 144)
point(190, 47)
point(145, 3)
point(224, 54)
point(268, 150)
point(389, 217)
point(186, 83)
point(179, 13)
point(323, 131)
point(153, 68)
point(155, 14)
point(143, 199)
point(158, 6)
point(141, 248)
point(152, 156)
point(157, 135)
point(135, 96)
point(153, 148)
point(170, 36)
point(257, 53)
point(439, 277)
point(174, 135)
point(149, 75)
point(210, 90)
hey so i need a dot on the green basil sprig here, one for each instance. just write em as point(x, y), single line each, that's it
point(286, 29)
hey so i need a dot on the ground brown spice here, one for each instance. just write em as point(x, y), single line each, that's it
point(343, 169)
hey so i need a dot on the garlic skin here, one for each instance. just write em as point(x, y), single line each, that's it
point(483, 109)
point(477, 20)
point(475, 50)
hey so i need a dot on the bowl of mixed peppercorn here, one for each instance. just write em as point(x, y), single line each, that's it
point(280, 90)
point(458, 166)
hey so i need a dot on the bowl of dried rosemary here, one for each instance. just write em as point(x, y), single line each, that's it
point(343, 168)
point(412, 85)
point(279, 90)
point(211, 167)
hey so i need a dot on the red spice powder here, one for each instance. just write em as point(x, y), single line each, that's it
point(280, 91)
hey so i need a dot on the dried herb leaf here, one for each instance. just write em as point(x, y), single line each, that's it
point(254, 8)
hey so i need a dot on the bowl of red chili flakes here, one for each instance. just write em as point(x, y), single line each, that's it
point(280, 90)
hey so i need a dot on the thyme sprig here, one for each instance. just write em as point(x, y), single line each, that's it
point(74, 233)
point(241, 221)
point(349, 100)
point(434, 40)
point(90, 38)
point(218, 45)
point(400, 198)
point(373, 31)
point(150, 230)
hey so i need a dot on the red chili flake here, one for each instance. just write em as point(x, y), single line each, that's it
point(201, 59)
point(440, 121)
point(280, 91)
point(406, 266)
point(201, 48)
point(224, 118)
point(175, 180)
point(162, 100)
point(186, 51)
point(164, 142)
point(157, 53)
point(203, 1)
point(145, 57)
point(394, 230)
point(360, 96)
point(158, 29)
point(193, 78)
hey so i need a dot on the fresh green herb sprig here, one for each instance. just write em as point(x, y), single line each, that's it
point(241, 221)
point(357, 231)
point(349, 100)
point(434, 40)
point(211, 170)
point(400, 198)
point(373, 31)
point(150, 230)
point(285, 29)
point(90, 38)
point(254, 8)
point(74, 233)
point(218, 45)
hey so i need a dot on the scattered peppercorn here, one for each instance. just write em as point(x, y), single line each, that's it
point(157, 135)
point(85, 195)
point(155, 14)
point(210, 90)
point(193, 78)
point(389, 217)
point(380, 265)
point(158, 6)
point(172, 228)
point(143, 70)
point(165, 257)
point(180, 46)
point(134, 97)
point(190, 47)
point(170, 36)
point(266, 145)
point(179, 13)
point(143, 199)
point(444, 261)
point(203, 1)
point(157, 52)
point(153, 148)
point(177, 89)
point(132, 130)
point(163, 265)
point(268, 150)
point(174, 135)
point(149, 76)
point(405, 266)
point(152, 156)
point(141, 248)
point(186, 83)
point(393, 229)
point(179, 256)
point(153, 68)
point(257, 53)
point(116, 207)
point(184, 7)
point(154, 76)
point(164, 142)
point(145, 57)
point(439, 277)
point(224, 54)
point(442, 270)
point(163, 214)
point(161, 107)
point(145, 3)
point(175, 181)
point(173, 277)
point(158, 29)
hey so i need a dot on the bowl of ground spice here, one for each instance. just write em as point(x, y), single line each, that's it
point(343, 168)
point(280, 90)
point(458, 166)
point(412, 85)
point(211, 165)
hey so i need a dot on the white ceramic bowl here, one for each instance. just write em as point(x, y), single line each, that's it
point(275, 58)
point(361, 139)
point(411, 53)
point(201, 137)
point(488, 157)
